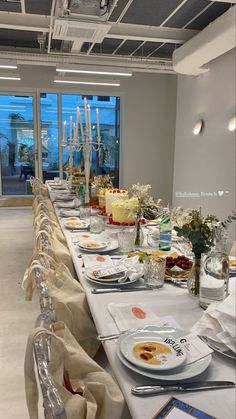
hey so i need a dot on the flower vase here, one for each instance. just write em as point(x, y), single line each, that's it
point(193, 281)
point(139, 236)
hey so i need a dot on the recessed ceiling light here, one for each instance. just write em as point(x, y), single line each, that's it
point(232, 124)
point(95, 83)
point(198, 127)
point(104, 71)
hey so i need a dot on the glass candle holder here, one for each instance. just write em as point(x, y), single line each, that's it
point(85, 212)
point(154, 272)
point(126, 240)
point(96, 224)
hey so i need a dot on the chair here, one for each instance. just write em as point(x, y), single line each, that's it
point(53, 406)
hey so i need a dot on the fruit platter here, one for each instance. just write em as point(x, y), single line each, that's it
point(178, 267)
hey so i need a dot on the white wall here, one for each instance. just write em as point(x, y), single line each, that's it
point(148, 105)
point(206, 163)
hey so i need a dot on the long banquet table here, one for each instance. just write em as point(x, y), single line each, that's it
point(167, 301)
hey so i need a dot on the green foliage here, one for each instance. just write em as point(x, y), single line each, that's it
point(199, 231)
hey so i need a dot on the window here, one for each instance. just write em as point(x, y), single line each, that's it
point(103, 98)
point(108, 161)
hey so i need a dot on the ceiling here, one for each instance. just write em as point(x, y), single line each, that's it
point(134, 32)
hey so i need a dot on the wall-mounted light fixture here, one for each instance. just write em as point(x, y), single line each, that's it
point(97, 82)
point(232, 124)
point(98, 70)
point(198, 127)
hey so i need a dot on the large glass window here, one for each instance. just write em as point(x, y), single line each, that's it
point(109, 115)
point(18, 143)
point(49, 135)
point(17, 160)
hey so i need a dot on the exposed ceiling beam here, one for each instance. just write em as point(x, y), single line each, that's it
point(124, 11)
point(150, 33)
point(22, 6)
point(24, 22)
point(173, 13)
point(134, 64)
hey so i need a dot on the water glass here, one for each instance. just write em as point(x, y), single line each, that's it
point(96, 224)
point(154, 271)
point(85, 212)
point(126, 240)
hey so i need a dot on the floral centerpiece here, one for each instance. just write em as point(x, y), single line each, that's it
point(199, 231)
point(146, 207)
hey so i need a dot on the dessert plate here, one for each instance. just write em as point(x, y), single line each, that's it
point(153, 350)
point(183, 372)
point(75, 224)
point(90, 275)
point(114, 284)
point(112, 245)
point(92, 245)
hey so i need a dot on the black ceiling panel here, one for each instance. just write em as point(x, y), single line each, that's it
point(186, 13)
point(108, 46)
point(128, 47)
point(42, 7)
point(147, 49)
point(23, 39)
point(10, 7)
point(149, 12)
point(216, 10)
point(118, 10)
point(165, 51)
point(85, 46)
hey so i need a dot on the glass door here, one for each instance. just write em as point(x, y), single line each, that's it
point(17, 144)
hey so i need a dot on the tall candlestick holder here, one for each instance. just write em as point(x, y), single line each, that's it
point(84, 143)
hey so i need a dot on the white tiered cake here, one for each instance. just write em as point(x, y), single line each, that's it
point(114, 195)
point(122, 211)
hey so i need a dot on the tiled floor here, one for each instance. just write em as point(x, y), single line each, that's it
point(17, 316)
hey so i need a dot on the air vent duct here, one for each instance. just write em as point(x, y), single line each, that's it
point(78, 30)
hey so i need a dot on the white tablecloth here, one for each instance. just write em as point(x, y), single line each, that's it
point(167, 301)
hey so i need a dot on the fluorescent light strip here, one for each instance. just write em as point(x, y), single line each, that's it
point(106, 73)
point(9, 78)
point(87, 82)
point(8, 66)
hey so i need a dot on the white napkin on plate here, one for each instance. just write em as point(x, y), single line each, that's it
point(96, 259)
point(219, 323)
point(129, 316)
point(134, 268)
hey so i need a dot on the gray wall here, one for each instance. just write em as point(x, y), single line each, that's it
point(205, 164)
point(148, 104)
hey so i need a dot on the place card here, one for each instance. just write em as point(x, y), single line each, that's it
point(177, 409)
point(195, 348)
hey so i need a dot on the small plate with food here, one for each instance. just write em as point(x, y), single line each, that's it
point(76, 224)
point(152, 349)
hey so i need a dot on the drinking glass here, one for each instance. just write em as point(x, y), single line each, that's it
point(96, 224)
point(126, 240)
point(154, 272)
point(85, 212)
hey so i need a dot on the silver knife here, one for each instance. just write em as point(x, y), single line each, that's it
point(108, 290)
point(195, 386)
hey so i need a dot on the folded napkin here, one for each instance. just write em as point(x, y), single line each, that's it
point(129, 316)
point(92, 260)
point(70, 204)
point(134, 268)
point(219, 323)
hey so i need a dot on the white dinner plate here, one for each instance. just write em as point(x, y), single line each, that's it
point(69, 213)
point(181, 373)
point(153, 350)
point(113, 284)
point(90, 275)
point(92, 245)
point(64, 197)
point(75, 224)
point(112, 245)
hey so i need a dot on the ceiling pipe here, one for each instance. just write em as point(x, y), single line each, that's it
point(213, 41)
